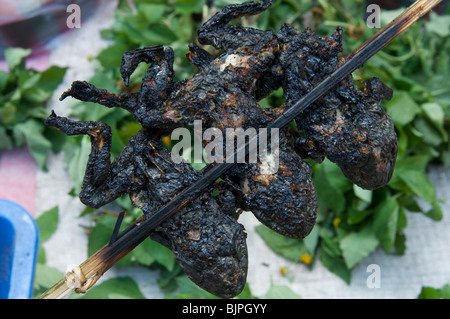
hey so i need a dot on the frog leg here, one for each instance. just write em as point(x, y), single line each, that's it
point(218, 33)
point(104, 181)
point(155, 87)
point(131, 60)
point(158, 81)
point(199, 57)
point(86, 92)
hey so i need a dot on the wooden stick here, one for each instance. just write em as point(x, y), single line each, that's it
point(96, 265)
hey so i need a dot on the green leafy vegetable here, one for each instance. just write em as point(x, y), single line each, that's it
point(45, 276)
point(287, 247)
point(357, 245)
point(280, 292)
point(23, 93)
point(47, 223)
point(433, 293)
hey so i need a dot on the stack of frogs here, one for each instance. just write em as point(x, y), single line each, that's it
point(347, 125)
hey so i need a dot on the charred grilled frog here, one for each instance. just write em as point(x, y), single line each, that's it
point(347, 125)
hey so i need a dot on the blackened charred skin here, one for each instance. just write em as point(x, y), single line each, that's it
point(221, 95)
point(199, 57)
point(347, 125)
point(205, 237)
point(285, 201)
point(218, 33)
point(304, 146)
point(104, 181)
point(131, 60)
point(365, 148)
point(209, 245)
point(207, 241)
point(86, 92)
point(377, 90)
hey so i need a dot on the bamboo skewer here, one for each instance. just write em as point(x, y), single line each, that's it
point(86, 274)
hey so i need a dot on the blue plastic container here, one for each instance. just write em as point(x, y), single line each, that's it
point(19, 240)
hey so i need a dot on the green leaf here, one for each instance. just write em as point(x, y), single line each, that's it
point(435, 213)
point(335, 176)
point(356, 216)
point(385, 223)
point(329, 187)
point(101, 233)
point(429, 293)
point(162, 255)
point(51, 78)
point(38, 113)
point(334, 263)
point(158, 34)
point(188, 6)
point(36, 96)
point(402, 221)
point(5, 140)
point(142, 253)
point(152, 12)
point(363, 194)
point(400, 244)
point(15, 96)
point(77, 157)
point(445, 291)
point(433, 293)
point(117, 144)
point(56, 138)
point(429, 133)
point(409, 203)
point(287, 247)
point(4, 78)
point(402, 108)
point(111, 56)
point(331, 245)
point(16, 56)
point(114, 288)
point(439, 25)
point(188, 290)
point(8, 114)
point(280, 292)
point(312, 240)
point(28, 79)
point(41, 255)
point(357, 245)
point(167, 281)
point(419, 183)
point(30, 132)
point(47, 223)
point(412, 163)
point(435, 114)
